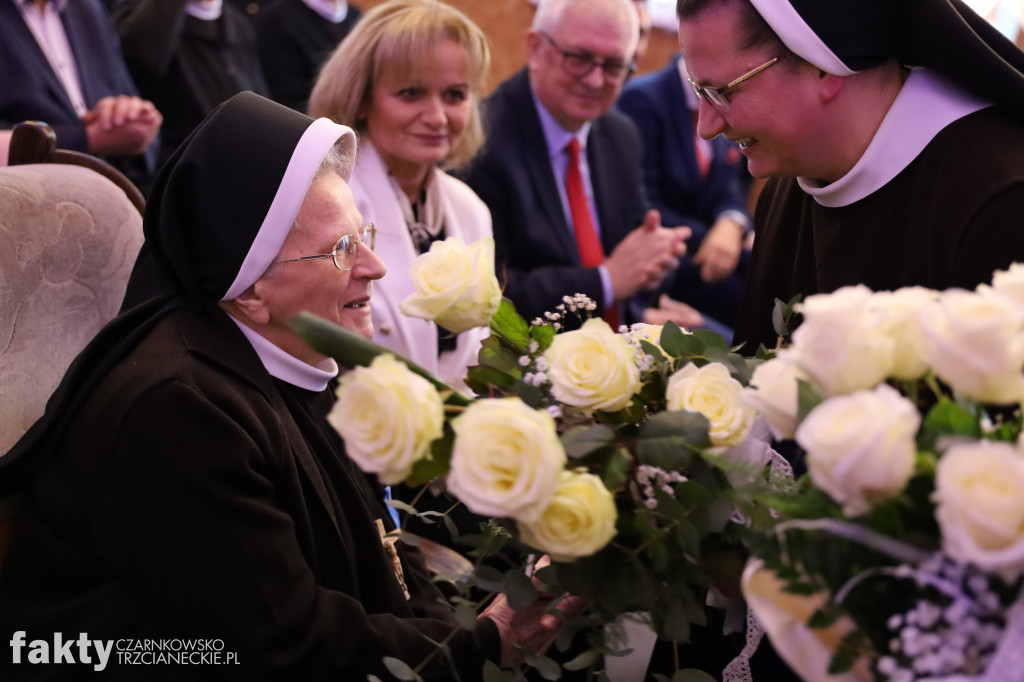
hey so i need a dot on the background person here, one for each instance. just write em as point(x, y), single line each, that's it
point(187, 56)
point(294, 38)
point(560, 172)
point(60, 62)
point(408, 79)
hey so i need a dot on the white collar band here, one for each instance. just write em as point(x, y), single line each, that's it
point(926, 104)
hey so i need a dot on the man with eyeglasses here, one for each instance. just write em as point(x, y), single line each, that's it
point(560, 172)
point(894, 130)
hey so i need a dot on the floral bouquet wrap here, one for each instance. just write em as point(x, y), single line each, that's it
point(619, 454)
point(899, 555)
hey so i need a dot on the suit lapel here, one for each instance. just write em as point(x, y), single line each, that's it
point(27, 46)
point(533, 147)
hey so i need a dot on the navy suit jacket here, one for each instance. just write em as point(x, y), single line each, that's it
point(534, 247)
point(30, 90)
point(657, 104)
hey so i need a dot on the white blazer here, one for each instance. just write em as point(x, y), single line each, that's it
point(465, 216)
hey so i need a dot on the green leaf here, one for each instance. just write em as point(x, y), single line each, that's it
point(950, 418)
point(692, 427)
point(692, 675)
point(616, 470)
point(498, 356)
point(492, 673)
point(519, 589)
point(631, 414)
point(401, 670)
point(480, 378)
point(676, 627)
point(465, 615)
point(711, 340)
point(352, 350)
point(671, 453)
point(680, 345)
point(808, 398)
point(823, 618)
point(584, 660)
point(581, 441)
point(543, 335)
point(509, 326)
point(547, 668)
point(427, 469)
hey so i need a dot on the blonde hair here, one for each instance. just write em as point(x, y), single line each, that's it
point(398, 37)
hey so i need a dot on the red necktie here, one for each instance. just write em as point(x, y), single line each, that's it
point(587, 242)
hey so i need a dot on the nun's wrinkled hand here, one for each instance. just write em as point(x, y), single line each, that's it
point(532, 628)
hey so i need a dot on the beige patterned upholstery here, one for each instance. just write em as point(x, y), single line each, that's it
point(68, 240)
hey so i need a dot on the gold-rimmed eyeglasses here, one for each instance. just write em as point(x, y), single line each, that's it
point(344, 252)
point(580, 64)
point(719, 97)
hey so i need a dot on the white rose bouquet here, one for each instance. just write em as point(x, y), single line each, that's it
point(900, 555)
point(610, 451)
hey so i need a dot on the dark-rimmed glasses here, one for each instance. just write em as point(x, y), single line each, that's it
point(719, 97)
point(344, 252)
point(580, 64)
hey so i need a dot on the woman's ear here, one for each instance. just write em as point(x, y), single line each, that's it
point(829, 86)
point(249, 307)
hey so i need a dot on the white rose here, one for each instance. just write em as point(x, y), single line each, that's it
point(773, 392)
point(901, 309)
point(506, 459)
point(860, 447)
point(784, 616)
point(979, 493)
point(593, 368)
point(711, 391)
point(388, 417)
point(1009, 282)
point(842, 344)
point(455, 285)
point(579, 521)
point(975, 343)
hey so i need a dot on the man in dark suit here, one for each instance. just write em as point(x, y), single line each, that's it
point(700, 183)
point(60, 62)
point(579, 54)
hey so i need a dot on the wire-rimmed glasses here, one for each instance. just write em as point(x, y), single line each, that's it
point(580, 64)
point(719, 97)
point(344, 252)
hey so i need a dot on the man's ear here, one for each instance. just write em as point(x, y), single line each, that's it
point(533, 44)
point(250, 306)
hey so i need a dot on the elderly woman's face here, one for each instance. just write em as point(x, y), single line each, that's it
point(415, 122)
point(327, 213)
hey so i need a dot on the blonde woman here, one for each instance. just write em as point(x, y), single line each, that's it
point(408, 78)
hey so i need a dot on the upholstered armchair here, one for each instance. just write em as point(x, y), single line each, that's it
point(68, 240)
